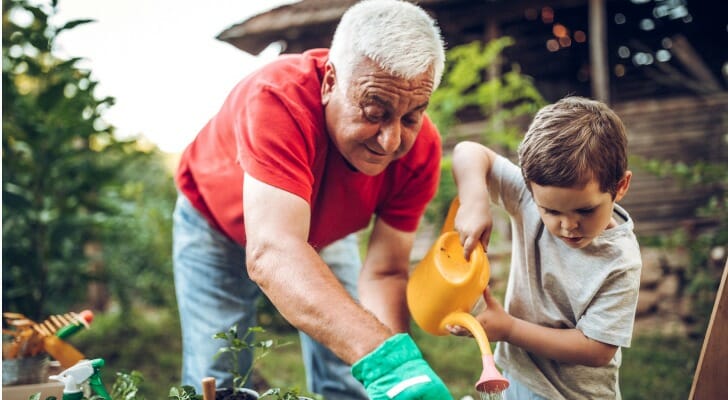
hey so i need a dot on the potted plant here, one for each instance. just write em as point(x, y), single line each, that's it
point(234, 345)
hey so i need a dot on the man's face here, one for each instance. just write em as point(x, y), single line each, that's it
point(577, 215)
point(374, 118)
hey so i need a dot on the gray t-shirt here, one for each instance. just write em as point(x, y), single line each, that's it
point(593, 289)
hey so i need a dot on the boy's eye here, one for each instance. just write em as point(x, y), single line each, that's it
point(587, 211)
point(551, 212)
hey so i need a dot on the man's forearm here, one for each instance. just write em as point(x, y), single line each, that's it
point(386, 297)
point(309, 296)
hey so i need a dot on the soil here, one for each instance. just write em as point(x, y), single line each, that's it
point(228, 394)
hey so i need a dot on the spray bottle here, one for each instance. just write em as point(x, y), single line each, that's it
point(74, 377)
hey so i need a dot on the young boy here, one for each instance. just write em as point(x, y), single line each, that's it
point(575, 268)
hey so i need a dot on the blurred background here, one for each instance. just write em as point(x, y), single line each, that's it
point(99, 99)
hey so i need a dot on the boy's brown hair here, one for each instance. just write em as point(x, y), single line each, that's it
point(571, 141)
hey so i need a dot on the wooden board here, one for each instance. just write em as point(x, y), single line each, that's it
point(711, 374)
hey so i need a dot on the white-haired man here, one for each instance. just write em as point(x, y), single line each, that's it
point(303, 153)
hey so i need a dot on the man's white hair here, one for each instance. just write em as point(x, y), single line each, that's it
point(398, 36)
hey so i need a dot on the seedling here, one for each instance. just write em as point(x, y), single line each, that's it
point(236, 344)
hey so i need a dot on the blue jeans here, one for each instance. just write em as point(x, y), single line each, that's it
point(214, 292)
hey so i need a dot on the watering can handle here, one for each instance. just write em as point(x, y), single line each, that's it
point(449, 224)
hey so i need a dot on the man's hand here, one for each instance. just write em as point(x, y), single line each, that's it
point(396, 370)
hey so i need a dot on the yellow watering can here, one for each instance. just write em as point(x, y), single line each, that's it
point(444, 287)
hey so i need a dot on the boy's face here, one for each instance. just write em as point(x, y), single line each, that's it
point(577, 215)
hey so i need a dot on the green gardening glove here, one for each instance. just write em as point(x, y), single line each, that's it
point(396, 370)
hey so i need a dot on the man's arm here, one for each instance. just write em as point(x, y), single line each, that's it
point(297, 281)
point(383, 280)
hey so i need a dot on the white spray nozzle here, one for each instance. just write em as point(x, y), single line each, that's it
point(75, 376)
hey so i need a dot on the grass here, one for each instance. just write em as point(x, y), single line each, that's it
point(654, 367)
point(658, 367)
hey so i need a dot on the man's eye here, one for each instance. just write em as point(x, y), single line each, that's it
point(374, 114)
point(373, 117)
point(410, 120)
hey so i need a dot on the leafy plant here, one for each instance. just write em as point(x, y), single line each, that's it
point(701, 275)
point(505, 103)
point(184, 393)
point(69, 185)
point(277, 394)
point(126, 386)
point(237, 344)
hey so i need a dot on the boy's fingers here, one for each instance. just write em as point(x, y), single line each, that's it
point(468, 247)
point(485, 239)
point(487, 296)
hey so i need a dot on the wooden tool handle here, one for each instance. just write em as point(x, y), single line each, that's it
point(208, 388)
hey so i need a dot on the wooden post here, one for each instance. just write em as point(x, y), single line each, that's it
point(711, 374)
point(598, 50)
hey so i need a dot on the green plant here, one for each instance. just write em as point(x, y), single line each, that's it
point(69, 186)
point(237, 344)
point(702, 275)
point(126, 386)
point(504, 103)
point(184, 393)
point(277, 394)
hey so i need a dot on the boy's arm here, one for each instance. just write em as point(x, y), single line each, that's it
point(471, 166)
point(563, 345)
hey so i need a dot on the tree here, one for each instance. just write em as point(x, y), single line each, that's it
point(504, 103)
point(67, 184)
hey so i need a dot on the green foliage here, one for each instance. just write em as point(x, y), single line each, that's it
point(126, 386)
point(505, 103)
point(79, 206)
point(184, 392)
point(702, 274)
point(237, 344)
point(656, 367)
point(54, 166)
point(501, 101)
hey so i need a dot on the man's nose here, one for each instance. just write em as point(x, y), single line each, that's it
point(390, 137)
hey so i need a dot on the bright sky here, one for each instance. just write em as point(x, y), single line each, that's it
point(160, 60)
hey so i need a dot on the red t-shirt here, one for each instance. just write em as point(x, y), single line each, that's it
point(272, 126)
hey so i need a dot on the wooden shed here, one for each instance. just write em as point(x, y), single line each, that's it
point(662, 65)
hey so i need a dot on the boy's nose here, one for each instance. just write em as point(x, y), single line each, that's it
point(569, 224)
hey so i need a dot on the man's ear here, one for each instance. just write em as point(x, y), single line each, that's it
point(623, 186)
point(328, 83)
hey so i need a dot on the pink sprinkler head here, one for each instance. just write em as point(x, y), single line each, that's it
point(491, 381)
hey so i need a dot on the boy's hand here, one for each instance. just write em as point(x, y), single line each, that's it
point(396, 370)
point(474, 222)
point(496, 322)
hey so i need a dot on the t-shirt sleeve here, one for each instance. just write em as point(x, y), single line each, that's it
point(610, 316)
point(506, 185)
point(272, 144)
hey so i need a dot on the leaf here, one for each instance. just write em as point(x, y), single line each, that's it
point(74, 23)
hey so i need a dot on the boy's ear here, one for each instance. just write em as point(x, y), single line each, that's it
point(623, 186)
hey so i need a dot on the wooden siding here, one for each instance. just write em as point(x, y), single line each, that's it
point(687, 129)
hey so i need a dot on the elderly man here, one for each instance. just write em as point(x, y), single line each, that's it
point(302, 154)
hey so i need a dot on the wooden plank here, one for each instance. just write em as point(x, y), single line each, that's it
point(711, 373)
point(598, 50)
